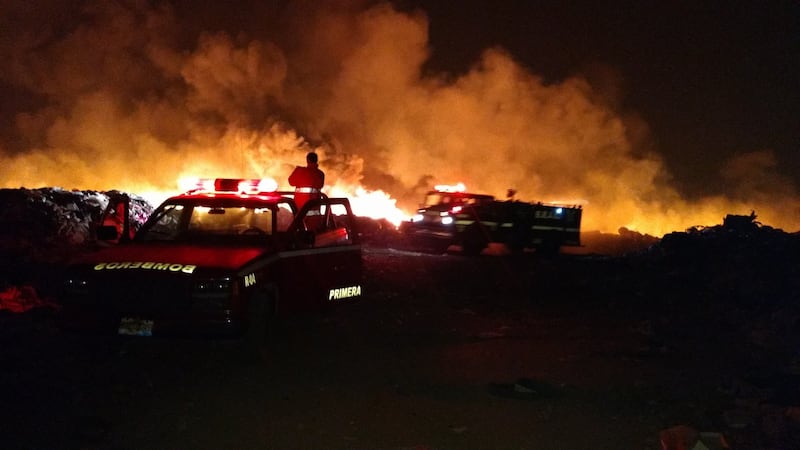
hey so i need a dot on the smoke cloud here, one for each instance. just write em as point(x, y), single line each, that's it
point(135, 94)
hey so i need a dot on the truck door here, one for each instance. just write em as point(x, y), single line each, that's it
point(323, 265)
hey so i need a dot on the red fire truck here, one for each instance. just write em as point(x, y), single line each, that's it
point(453, 217)
point(226, 256)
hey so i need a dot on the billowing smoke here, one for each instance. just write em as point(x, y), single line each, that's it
point(134, 94)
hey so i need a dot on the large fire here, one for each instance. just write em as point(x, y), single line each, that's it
point(372, 204)
point(124, 95)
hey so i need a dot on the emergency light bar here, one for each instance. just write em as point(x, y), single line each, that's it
point(451, 188)
point(234, 185)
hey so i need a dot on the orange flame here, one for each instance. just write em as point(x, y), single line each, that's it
point(372, 204)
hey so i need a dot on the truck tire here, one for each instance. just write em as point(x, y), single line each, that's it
point(519, 238)
point(260, 319)
point(474, 240)
point(549, 248)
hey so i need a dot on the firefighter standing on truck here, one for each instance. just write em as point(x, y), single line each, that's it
point(307, 182)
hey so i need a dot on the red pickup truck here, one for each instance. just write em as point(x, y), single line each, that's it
point(227, 257)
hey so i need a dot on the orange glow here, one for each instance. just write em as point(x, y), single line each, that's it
point(222, 105)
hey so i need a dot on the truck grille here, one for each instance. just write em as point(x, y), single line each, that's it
point(154, 294)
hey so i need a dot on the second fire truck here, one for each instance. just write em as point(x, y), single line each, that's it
point(473, 221)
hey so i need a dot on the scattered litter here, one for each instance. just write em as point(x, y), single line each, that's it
point(22, 299)
point(712, 441)
point(684, 437)
point(793, 413)
point(680, 437)
point(524, 388)
point(490, 335)
point(738, 418)
point(493, 334)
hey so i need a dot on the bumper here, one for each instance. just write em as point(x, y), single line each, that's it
point(433, 234)
point(425, 230)
point(109, 323)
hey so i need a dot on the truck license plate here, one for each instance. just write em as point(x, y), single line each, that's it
point(130, 326)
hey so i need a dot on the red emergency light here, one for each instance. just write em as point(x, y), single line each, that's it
point(230, 185)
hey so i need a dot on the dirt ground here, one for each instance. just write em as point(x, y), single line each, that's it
point(578, 351)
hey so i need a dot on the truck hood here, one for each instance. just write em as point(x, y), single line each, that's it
point(189, 256)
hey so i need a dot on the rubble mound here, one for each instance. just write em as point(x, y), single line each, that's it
point(739, 236)
point(46, 217)
point(625, 242)
point(42, 228)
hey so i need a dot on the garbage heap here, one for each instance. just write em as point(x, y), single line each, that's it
point(737, 235)
point(45, 222)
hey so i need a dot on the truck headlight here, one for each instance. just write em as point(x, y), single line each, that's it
point(447, 220)
point(76, 285)
point(213, 286)
point(213, 294)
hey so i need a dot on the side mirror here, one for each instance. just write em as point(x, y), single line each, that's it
point(107, 233)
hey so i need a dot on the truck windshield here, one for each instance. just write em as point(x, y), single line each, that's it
point(447, 198)
point(201, 222)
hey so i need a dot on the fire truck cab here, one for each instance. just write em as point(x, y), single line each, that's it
point(227, 257)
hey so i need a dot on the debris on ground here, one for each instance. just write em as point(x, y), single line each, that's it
point(23, 299)
point(684, 437)
point(524, 389)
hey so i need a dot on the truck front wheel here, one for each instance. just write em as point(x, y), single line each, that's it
point(260, 319)
point(549, 248)
point(474, 240)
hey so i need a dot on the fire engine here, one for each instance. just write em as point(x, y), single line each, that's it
point(226, 256)
point(451, 216)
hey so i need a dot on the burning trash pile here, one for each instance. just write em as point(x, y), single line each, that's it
point(49, 219)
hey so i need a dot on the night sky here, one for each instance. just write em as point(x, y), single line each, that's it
point(655, 115)
point(712, 79)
